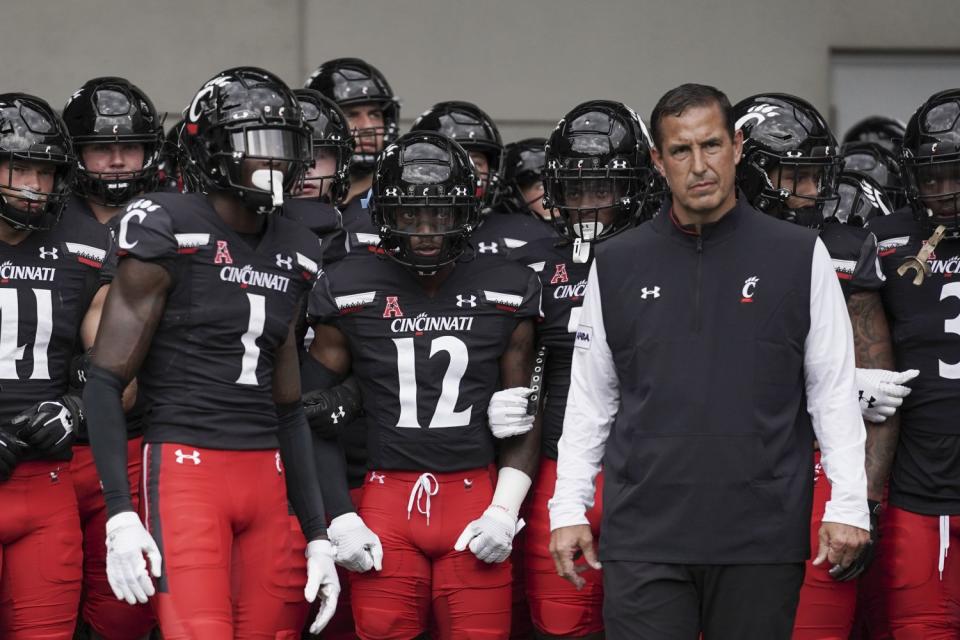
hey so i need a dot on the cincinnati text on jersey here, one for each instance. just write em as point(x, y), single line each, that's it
point(570, 290)
point(248, 277)
point(424, 323)
point(10, 271)
point(949, 266)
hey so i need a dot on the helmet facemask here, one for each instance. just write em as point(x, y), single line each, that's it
point(935, 188)
point(35, 209)
point(797, 187)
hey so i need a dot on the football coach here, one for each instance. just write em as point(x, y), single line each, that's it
point(714, 345)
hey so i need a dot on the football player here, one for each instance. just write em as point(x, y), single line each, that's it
point(920, 579)
point(118, 140)
point(431, 337)
point(878, 162)
point(373, 113)
point(886, 131)
point(51, 292)
point(203, 309)
point(597, 176)
point(523, 178)
point(788, 169)
point(475, 131)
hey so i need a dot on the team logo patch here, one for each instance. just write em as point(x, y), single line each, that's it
point(223, 253)
point(650, 292)
point(392, 308)
point(10, 271)
point(584, 337)
point(758, 113)
point(560, 274)
point(355, 301)
point(749, 289)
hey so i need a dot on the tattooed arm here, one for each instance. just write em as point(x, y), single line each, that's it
point(874, 350)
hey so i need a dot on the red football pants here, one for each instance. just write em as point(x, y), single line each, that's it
point(112, 619)
point(826, 606)
point(921, 603)
point(557, 608)
point(422, 574)
point(40, 557)
point(220, 520)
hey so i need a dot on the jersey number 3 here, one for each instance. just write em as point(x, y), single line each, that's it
point(951, 325)
point(445, 414)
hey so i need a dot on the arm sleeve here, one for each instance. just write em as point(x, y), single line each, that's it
point(532, 303)
point(592, 405)
point(831, 395)
point(303, 487)
point(107, 430)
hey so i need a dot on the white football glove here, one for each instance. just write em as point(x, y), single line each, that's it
point(490, 537)
point(321, 578)
point(356, 547)
point(881, 392)
point(507, 412)
point(127, 542)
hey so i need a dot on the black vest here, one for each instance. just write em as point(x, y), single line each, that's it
point(709, 460)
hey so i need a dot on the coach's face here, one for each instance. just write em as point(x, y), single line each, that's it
point(699, 160)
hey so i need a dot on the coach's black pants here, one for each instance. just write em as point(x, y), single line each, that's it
point(650, 601)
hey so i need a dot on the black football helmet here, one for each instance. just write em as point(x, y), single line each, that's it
point(599, 144)
point(931, 161)
point(424, 180)
point(861, 199)
point(880, 163)
point(330, 132)
point(887, 132)
point(168, 173)
point(241, 114)
point(352, 81)
point(108, 111)
point(786, 142)
point(475, 131)
point(31, 131)
point(523, 164)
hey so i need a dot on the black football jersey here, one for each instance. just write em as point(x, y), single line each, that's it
point(854, 254)
point(208, 375)
point(47, 282)
point(356, 215)
point(564, 282)
point(925, 325)
point(501, 233)
point(324, 220)
point(426, 366)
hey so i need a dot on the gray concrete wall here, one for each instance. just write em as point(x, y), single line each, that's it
point(524, 61)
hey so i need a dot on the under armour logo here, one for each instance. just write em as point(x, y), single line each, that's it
point(869, 400)
point(488, 247)
point(392, 192)
point(336, 415)
point(459, 191)
point(655, 292)
point(181, 456)
point(52, 253)
point(618, 164)
point(285, 262)
point(462, 302)
point(377, 477)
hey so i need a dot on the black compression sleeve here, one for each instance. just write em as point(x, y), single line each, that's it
point(332, 471)
point(303, 488)
point(107, 429)
point(315, 375)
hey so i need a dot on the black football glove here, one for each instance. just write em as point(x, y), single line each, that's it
point(11, 453)
point(48, 426)
point(78, 371)
point(858, 566)
point(329, 411)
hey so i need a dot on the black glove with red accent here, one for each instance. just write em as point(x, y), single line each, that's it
point(862, 563)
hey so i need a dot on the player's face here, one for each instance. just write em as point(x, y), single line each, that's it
point(699, 159)
point(116, 157)
point(533, 195)
point(324, 166)
point(938, 180)
point(482, 166)
point(423, 223)
point(366, 121)
point(803, 182)
point(592, 200)
point(24, 184)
